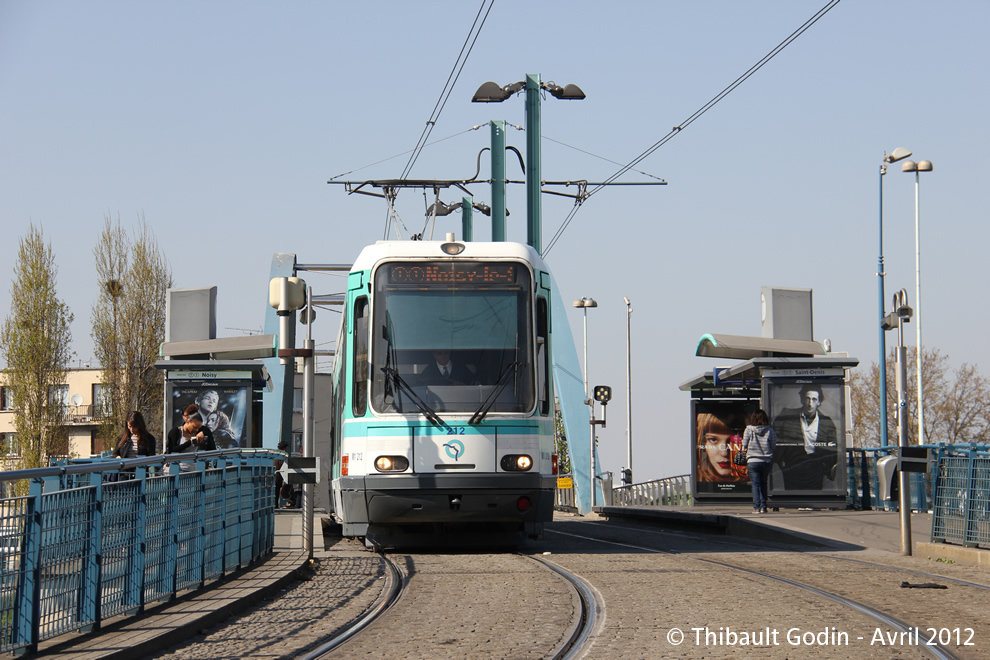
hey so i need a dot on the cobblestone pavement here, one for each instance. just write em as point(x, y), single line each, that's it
point(501, 605)
point(474, 605)
point(649, 596)
point(344, 585)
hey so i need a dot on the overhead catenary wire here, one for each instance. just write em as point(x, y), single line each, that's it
point(448, 87)
point(676, 130)
point(455, 73)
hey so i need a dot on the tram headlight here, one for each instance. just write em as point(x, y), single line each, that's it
point(391, 463)
point(517, 462)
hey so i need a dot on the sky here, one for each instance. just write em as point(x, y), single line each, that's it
point(221, 122)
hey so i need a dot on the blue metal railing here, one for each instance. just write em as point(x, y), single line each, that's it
point(96, 538)
point(863, 481)
point(670, 491)
point(962, 498)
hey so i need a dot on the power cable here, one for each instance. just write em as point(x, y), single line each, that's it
point(448, 87)
point(462, 58)
point(697, 114)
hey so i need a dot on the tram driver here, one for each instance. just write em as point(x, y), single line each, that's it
point(444, 370)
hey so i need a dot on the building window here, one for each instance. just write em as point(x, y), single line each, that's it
point(297, 400)
point(6, 398)
point(101, 402)
point(59, 395)
point(297, 444)
point(8, 444)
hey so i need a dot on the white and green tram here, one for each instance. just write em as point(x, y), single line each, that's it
point(443, 395)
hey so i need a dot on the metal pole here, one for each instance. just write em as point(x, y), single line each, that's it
point(917, 303)
point(592, 461)
point(629, 445)
point(904, 499)
point(467, 219)
point(533, 130)
point(883, 341)
point(309, 380)
point(585, 354)
point(498, 180)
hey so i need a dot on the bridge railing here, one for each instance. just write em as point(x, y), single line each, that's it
point(669, 491)
point(962, 498)
point(97, 538)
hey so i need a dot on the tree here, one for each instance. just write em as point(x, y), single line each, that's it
point(35, 343)
point(957, 404)
point(128, 319)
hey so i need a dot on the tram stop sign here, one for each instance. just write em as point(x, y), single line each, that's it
point(301, 470)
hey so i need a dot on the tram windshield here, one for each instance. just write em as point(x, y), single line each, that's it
point(452, 336)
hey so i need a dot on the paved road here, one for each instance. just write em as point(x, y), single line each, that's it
point(467, 604)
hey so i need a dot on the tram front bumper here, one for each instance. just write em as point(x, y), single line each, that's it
point(442, 498)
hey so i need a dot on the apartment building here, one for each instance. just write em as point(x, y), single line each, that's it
point(80, 394)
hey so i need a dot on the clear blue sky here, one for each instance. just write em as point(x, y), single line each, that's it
point(221, 122)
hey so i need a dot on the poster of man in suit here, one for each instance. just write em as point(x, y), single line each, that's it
point(808, 420)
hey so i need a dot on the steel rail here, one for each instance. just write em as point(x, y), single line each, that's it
point(742, 544)
point(936, 650)
point(396, 585)
point(591, 607)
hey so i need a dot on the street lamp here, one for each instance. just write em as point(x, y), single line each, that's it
point(584, 303)
point(918, 168)
point(627, 474)
point(490, 92)
point(899, 153)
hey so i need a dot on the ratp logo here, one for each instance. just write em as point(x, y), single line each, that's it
point(455, 449)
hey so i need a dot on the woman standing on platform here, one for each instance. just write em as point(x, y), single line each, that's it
point(135, 440)
point(759, 442)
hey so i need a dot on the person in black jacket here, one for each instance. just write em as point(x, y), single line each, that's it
point(446, 371)
point(135, 440)
point(189, 438)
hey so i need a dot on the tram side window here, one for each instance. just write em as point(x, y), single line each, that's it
point(542, 355)
point(360, 395)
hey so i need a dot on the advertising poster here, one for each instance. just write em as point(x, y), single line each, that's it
point(224, 409)
point(716, 433)
point(809, 420)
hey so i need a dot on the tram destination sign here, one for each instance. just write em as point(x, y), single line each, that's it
point(451, 272)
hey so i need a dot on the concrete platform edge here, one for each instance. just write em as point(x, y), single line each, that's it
point(718, 523)
point(955, 553)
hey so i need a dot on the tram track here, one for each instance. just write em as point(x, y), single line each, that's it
point(885, 618)
point(474, 604)
point(392, 592)
point(591, 615)
point(751, 546)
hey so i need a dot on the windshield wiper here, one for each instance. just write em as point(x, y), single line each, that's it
point(424, 407)
point(489, 401)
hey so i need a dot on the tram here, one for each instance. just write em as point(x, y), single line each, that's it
point(443, 395)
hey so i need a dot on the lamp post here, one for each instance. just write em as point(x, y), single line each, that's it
point(898, 154)
point(899, 315)
point(584, 303)
point(627, 475)
point(918, 168)
point(490, 92)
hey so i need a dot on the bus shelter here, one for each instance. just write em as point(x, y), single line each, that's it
point(803, 391)
point(221, 377)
